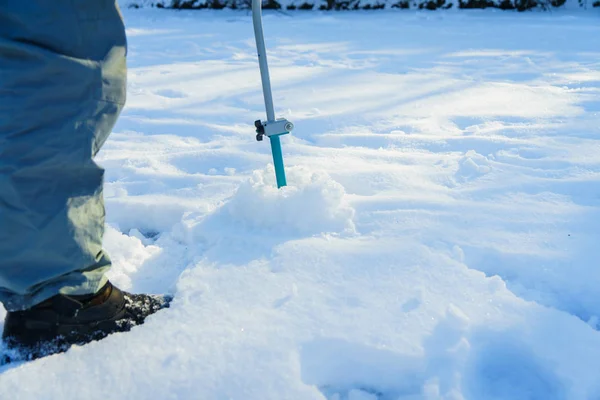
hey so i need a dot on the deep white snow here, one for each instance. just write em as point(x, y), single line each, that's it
point(438, 238)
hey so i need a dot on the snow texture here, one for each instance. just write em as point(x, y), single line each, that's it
point(438, 239)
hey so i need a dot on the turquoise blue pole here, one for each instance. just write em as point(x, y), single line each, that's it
point(278, 161)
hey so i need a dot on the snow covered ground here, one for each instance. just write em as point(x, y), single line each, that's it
point(439, 238)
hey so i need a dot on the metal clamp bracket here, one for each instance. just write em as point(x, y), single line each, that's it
point(278, 127)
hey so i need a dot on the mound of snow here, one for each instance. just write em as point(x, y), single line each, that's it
point(312, 204)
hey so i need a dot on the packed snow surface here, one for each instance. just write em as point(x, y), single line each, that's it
point(439, 237)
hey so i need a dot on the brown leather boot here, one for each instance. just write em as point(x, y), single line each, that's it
point(61, 321)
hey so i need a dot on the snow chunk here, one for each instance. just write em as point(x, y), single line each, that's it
point(471, 166)
point(128, 254)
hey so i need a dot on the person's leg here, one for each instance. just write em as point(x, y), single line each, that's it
point(62, 86)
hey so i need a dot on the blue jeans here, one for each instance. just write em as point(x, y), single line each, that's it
point(62, 87)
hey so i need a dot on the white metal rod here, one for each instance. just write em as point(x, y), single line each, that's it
point(262, 58)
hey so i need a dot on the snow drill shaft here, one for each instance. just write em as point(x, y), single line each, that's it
point(278, 161)
point(262, 59)
point(271, 128)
